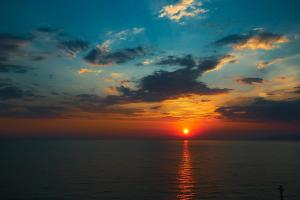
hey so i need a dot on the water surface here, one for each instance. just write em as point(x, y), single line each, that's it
point(156, 170)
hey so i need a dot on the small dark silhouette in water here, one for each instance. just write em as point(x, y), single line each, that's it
point(281, 191)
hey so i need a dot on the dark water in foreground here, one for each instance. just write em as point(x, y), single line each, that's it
point(154, 170)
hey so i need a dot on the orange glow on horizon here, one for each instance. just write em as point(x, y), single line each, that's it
point(132, 128)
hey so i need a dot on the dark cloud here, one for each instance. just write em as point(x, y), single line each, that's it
point(201, 64)
point(263, 110)
point(72, 107)
point(297, 90)
point(47, 40)
point(19, 69)
point(73, 47)
point(10, 44)
point(155, 107)
point(186, 61)
point(10, 91)
point(18, 102)
point(101, 57)
point(47, 29)
point(38, 57)
point(250, 80)
point(13, 92)
point(164, 85)
point(12, 47)
point(94, 104)
point(21, 111)
point(233, 39)
point(256, 39)
point(87, 98)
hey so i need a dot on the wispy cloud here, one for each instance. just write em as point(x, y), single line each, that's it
point(116, 37)
point(125, 34)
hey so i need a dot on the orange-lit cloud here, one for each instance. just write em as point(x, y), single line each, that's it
point(257, 39)
point(265, 64)
point(256, 43)
point(185, 8)
point(223, 61)
point(112, 91)
point(146, 62)
point(86, 70)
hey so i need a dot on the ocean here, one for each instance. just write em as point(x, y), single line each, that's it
point(148, 169)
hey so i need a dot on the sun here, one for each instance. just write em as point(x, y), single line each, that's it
point(185, 131)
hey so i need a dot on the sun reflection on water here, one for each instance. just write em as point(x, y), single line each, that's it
point(185, 176)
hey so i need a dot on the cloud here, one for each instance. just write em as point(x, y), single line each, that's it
point(44, 42)
point(163, 85)
point(34, 46)
point(71, 108)
point(47, 29)
point(94, 104)
point(22, 111)
point(223, 60)
point(254, 40)
point(250, 80)
point(183, 9)
point(186, 61)
point(262, 110)
point(86, 70)
point(112, 91)
point(98, 57)
point(12, 92)
point(73, 47)
point(202, 64)
point(125, 34)
point(19, 69)
point(297, 90)
point(265, 64)
point(137, 30)
point(121, 36)
point(147, 62)
point(11, 44)
point(90, 98)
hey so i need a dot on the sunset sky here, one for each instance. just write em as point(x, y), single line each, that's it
point(150, 68)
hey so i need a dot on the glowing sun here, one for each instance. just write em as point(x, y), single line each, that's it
point(185, 131)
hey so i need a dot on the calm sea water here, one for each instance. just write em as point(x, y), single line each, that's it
point(154, 170)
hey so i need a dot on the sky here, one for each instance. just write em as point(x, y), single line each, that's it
point(130, 68)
